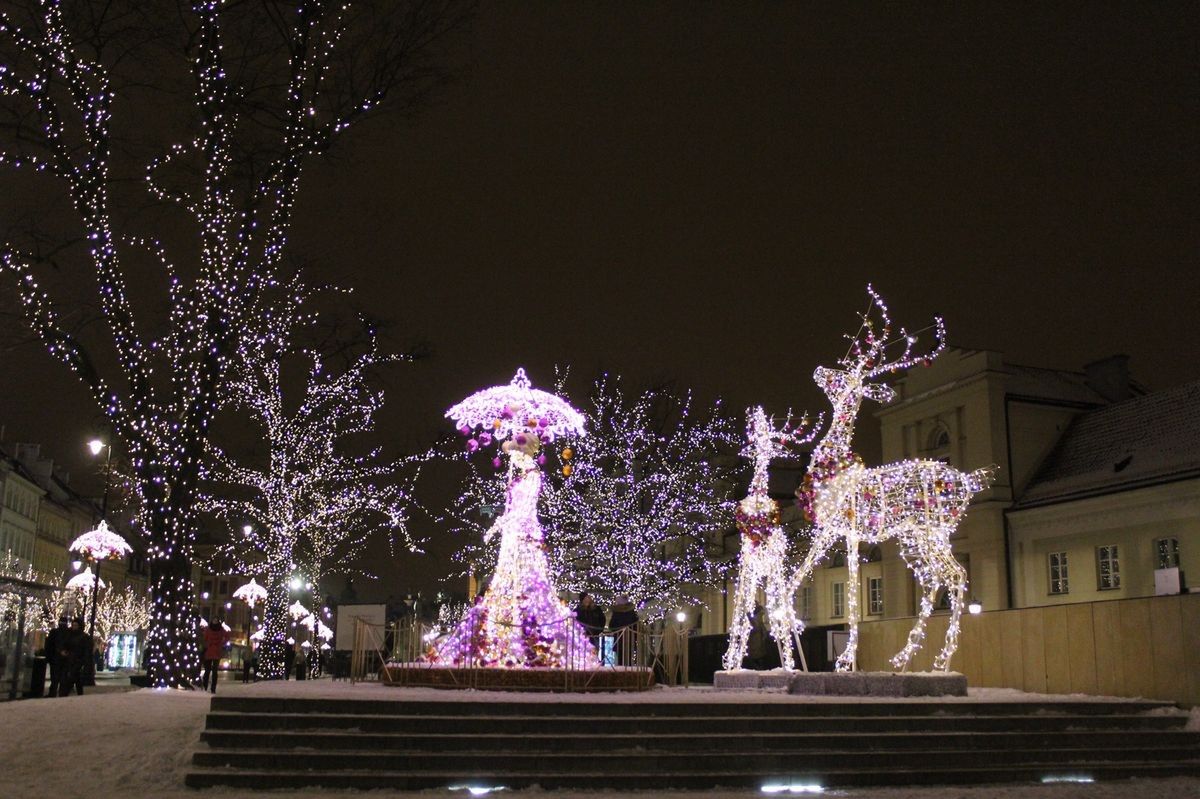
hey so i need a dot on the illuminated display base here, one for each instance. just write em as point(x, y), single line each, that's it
point(878, 683)
point(524, 679)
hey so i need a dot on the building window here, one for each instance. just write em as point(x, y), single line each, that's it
point(838, 560)
point(223, 587)
point(874, 554)
point(207, 588)
point(875, 596)
point(1167, 550)
point(839, 600)
point(1058, 573)
point(1108, 567)
point(806, 602)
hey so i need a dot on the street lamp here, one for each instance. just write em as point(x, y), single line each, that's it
point(975, 607)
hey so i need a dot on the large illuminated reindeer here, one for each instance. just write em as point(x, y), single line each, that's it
point(763, 558)
point(916, 503)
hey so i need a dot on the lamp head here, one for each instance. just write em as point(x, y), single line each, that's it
point(96, 446)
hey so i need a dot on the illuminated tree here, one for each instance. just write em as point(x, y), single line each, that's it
point(271, 86)
point(640, 505)
point(311, 506)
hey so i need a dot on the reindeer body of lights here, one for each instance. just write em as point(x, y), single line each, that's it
point(763, 557)
point(916, 503)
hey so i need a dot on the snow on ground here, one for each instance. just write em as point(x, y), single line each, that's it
point(137, 744)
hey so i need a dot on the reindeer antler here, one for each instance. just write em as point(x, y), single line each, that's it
point(866, 353)
point(771, 442)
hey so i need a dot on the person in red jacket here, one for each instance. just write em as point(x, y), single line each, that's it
point(215, 636)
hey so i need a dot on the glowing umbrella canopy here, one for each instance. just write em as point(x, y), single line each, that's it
point(101, 543)
point(84, 581)
point(251, 593)
point(516, 409)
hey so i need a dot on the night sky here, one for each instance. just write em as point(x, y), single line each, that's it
point(700, 192)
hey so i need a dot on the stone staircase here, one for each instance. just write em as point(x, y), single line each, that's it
point(272, 743)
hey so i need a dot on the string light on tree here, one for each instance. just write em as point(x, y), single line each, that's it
point(917, 503)
point(313, 505)
point(762, 560)
point(261, 116)
point(519, 622)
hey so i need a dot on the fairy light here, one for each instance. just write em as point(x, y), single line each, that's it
point(917, 503)
point(160, 393)
point(312, 506)
point(762, 560)
point(519, 622)
point(637, 512)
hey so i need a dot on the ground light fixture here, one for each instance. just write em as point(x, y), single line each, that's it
point(793, 787)
point(681, 617)
point(975, 607)
point(478, 790)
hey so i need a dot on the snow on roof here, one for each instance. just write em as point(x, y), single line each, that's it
point(1144, 440)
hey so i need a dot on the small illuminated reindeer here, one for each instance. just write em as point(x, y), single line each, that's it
point(763, 558)
point(917, 503)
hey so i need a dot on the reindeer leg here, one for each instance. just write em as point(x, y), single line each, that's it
point(846, 661)
point(917, 634)
point(780, 613)
point(956, 581)
point(743, 603)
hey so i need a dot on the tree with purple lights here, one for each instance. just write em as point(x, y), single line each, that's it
point(641, 505)
point(519, 622)
point(310, 506)
point(265, 88)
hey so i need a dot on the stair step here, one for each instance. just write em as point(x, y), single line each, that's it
point(697, 742)
point(658, 780)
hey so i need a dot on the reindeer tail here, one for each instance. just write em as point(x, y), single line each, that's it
point(981, 479)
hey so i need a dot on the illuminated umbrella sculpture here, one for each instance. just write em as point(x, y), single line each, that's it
point(251, 593)
point(97, 545)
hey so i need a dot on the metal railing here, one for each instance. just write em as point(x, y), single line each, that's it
point(642, 655)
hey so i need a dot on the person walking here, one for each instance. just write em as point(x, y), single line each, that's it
point(73, 651)
point(215, 636)
point(54, 642)
point(623, 625)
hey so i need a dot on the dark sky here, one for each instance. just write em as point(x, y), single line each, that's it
point(702, 191)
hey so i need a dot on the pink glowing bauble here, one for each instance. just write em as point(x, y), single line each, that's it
point(466, 431)
point(506, 413)
point(497, 463)
point(542, 422)
point(521, 440)
point(485, 439)
point(541, 459)
point(472, 445)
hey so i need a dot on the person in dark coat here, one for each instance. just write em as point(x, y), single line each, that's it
point(54, 642)
point(623, 625)
point(289, 659)
point(591, 616)
point(73, 652)
point(215, 636)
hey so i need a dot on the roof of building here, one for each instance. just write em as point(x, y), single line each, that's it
point(1142, 441)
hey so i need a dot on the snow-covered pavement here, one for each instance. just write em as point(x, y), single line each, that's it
point(137, 745)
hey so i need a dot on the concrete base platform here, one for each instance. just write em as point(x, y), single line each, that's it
point(877, 683)
point(609, 679)
point(747, 680)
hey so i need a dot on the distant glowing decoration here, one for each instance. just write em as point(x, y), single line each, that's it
point(917, 503)
point(763, 557)
point(101, 543)
point(298, 612)
point(251, 593)
point(84, 581)
point(519, 622)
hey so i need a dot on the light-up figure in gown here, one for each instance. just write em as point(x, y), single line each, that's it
point(519, 622)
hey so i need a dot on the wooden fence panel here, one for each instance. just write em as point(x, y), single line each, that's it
point(1081, 649)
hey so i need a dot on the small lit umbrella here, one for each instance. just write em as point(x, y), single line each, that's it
point(298, 611)
point(84, 581)
point(101, 543)
point(258, 636)
point(514, 410)
point(251, 593)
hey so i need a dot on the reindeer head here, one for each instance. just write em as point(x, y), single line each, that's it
point(868, 358)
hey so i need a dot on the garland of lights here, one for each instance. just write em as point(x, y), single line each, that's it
point(762, 560)
point(311, 508)
point(639, 507)
point(519, 622)
point(161, 395)
point(917, 503)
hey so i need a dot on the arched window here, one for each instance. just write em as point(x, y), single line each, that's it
point(938, 439)
point(838, 559)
